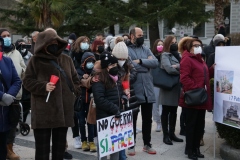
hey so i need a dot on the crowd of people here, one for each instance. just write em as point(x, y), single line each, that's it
point(95, 72)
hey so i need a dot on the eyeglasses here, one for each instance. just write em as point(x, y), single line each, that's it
point(197, 45)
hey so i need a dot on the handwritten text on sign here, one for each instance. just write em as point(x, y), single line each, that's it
point(115, 135)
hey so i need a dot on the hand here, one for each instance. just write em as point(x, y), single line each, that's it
point(127, 92)
point(174, 66)
point(136, 61)
point(8, 99)
point(85, 76)
point(50, 86)
point(214, 65)
point(95, 78)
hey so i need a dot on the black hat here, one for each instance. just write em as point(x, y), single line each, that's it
point(107, 59)
point(72, 36)
point(2, 30)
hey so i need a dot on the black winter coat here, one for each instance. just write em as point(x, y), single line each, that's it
point(108, 101)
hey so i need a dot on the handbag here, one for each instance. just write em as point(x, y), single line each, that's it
point(14, 108)
point(162, 79)
point(196, 96)
point(91, 117)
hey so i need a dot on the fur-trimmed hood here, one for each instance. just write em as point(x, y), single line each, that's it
point(182, 43)
point(44, 39)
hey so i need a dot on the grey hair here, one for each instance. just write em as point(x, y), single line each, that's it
point(34, 33)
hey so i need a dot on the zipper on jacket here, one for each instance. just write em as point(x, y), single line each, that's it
point(118, 96)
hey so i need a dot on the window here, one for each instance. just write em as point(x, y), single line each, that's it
point(199, 30)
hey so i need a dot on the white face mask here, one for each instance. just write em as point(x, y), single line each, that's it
point(121, 62)
point(70, 41)
point(23, 50)
point(197, 50)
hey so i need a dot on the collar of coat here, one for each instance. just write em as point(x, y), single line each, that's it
point(198, 57)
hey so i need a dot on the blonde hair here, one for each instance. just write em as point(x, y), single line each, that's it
point(119, 39)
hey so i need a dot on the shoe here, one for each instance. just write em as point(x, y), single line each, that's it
point(192, 155)
point(201, 142)
point(159, 127)
point(77, 143)
point(167, 140)
point(10, 154)
point(173, 137)
point(131, 151)
point(67, 155)
point(198, 153)
point(85, 146)
point(182, 132)
point(149, 149)
point(138, 130)
point(93, 147)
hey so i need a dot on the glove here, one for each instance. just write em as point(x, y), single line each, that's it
point(2, 103)
point(7, 99)
point(118, 115)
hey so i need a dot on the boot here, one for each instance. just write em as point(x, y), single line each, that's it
point(166, 138)
point(172, 124)
point(10, 154)
point(198, 153)
point(191, 155)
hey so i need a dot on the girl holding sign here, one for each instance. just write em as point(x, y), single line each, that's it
point(52, 97)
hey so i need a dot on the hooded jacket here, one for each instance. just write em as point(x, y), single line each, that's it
point(87, 56)
point(58, 111)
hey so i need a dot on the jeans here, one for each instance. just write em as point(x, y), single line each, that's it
point(157, 108)
point(3, 145)
point(75, 129)
point(122, 155)
point(82, 123)
point(195, 122)
point(42, 143)
point(146, 111)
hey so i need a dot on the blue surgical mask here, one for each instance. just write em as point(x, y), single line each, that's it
point(90, 65)
point(7, 41)
point(84, 46)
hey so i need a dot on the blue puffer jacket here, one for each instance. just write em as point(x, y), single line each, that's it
point(13, 83)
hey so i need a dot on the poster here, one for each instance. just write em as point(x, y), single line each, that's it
point(227, 86)
point(115, 135)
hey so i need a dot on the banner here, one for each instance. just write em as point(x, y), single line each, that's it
point(115, 135)
point(227, 86)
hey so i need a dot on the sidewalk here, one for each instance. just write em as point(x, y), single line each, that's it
point(24, 146)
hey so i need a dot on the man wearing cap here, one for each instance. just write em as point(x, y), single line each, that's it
point(143, 61)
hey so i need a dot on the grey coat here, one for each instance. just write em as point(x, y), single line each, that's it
point(170, 97)
point(143, 86)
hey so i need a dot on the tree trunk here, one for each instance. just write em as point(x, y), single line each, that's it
point(218, 14)
point(153, 32)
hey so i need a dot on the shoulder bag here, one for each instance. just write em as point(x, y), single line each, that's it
point(78, 100)
point(197, 96)
point(162, 79)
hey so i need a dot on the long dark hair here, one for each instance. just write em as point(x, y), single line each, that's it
point(106, 79)
point(167, 43)
point(154, 49)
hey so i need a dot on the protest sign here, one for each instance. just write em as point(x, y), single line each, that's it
point(227, 86)
point(115, 135)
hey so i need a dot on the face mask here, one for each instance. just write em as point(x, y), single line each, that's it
point(52, 49)
point(197, 50)
point(100, 49)
point(121, 62)
point(7, 41)
point(174, 47)
point(70, 41)
point(84, 46)
point(113, 71)
point(89, 65)
point(140, 41)
point(114, 78)
point(160, 48)
point(23, 50)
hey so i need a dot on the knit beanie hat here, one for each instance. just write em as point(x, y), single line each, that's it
point(218, 37)
point(120, 51)
point(72, 36)
point(107, 59)
point(2, 30)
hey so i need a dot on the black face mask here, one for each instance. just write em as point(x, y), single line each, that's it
point(100, 49)
point(139, 41)
point(113, 71)
point(174, 47)
point(52, 49)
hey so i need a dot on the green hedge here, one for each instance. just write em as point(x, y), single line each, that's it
point(230, 134)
